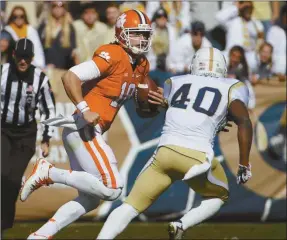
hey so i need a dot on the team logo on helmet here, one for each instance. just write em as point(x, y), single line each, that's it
point(121, 21)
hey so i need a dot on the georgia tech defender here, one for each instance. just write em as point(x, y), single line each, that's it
point(198, 105)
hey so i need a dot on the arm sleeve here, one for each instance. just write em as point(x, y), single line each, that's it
point(86, 71)
point(47, 108)
point(238, 91)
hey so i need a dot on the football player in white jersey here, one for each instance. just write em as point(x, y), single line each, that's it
point(198, 106)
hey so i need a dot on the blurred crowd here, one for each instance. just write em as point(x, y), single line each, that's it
point(252, 35)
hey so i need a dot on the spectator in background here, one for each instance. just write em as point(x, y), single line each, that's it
point(205, 12)
point(19, 27)
point(237, 64)
point(266, 12)
point(164, 37)
point(242, 30)
point(6, 46)
point(238, 69)
point(127, 5)
point(178, 13)
point(264, 65)
point(185, 47)
point(58, 37)
point(90, 32)
point(30, 9)
point(277, 37)
point(112, 14)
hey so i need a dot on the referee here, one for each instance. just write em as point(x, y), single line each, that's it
point(24, 88)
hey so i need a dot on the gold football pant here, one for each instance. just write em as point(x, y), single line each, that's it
point(171, 163)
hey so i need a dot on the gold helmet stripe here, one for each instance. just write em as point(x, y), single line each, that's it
point(210, 59)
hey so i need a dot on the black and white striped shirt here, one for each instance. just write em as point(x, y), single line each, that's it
point(22, 95)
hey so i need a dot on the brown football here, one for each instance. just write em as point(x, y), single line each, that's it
point(141, 95)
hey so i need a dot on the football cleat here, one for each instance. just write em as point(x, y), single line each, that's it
point(175, 230)
point(38, 178)
point(38, 236)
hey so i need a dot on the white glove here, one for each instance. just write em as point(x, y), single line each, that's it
point(243, 174)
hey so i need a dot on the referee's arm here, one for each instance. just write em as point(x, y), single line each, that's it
point(47, 109)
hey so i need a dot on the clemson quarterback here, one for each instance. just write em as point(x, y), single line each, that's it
point(98, 88)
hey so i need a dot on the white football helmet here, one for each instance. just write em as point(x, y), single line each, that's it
point(209, 62)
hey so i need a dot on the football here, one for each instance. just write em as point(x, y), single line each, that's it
point(141, 95)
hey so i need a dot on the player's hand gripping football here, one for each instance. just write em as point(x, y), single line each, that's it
point(243, 174)
point(92, 118)
point(157, 97)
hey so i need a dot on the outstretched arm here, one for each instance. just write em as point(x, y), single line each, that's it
point(240, 116)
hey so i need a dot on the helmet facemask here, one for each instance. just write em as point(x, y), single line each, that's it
point(144, 44)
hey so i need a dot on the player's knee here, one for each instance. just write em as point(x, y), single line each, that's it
point(87, 201)
point(224, 195)
point(112, 194)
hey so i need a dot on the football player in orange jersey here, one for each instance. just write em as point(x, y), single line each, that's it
point(98, 88)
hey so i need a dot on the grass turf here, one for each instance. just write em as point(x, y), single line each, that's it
point(136, 230)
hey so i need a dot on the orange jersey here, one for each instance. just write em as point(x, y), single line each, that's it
point(117, 82)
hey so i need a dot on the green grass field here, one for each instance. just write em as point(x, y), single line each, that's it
point(88, 230)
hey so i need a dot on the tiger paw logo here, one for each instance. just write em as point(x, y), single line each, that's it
point(121, 21)
point(105, 55)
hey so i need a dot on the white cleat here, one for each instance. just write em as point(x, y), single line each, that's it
point(175, 230)
point(38, 236)
point(38, 178)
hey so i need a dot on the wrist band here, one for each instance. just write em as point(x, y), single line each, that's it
point(85, 109)
point(83, 106)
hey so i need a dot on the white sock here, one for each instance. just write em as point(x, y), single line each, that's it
point(84, 182)
point(117, 221)
point(68, 213)
point(58, 175)
point(205, 210)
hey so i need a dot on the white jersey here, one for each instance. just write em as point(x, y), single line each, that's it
point(198, 107)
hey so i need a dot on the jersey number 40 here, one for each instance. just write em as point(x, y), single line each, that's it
point(180, 99)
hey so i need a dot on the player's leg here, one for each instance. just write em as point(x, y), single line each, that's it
point(148, 186)
point(70, 211)
point(213, 186)
point(100, 176)
point(187, 163)
point(65, 215)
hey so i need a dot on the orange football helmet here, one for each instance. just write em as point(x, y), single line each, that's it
point(135, 22)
